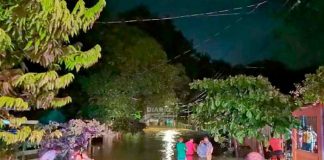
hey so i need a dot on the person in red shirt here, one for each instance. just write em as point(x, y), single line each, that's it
point(276, 145)
point(191, 149)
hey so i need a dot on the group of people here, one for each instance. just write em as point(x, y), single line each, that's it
point(273, 152)
point(187, 151)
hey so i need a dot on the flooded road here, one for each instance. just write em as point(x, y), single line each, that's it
point(151, 145)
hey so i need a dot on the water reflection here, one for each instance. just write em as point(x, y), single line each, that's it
point(146, 146)
point(169, 141)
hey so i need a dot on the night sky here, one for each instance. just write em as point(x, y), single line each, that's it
point(244, 42)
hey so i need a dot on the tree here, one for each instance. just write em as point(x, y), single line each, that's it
point(132, 75)
point(73, 135)
point(241, 106)
point(311, 90)
point(39, 32)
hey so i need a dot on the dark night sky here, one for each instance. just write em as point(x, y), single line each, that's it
point(245, 42)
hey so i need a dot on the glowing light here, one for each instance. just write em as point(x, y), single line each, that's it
point(169, 141)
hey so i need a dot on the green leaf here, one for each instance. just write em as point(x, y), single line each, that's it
point(249, 114)
point(43, 29)
point(244, 106)
point(28, 45)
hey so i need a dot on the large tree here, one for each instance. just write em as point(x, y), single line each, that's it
point(311, 90)
point(39, 32)
point(241, 106)
point(132, 75)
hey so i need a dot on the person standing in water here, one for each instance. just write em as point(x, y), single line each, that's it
point(210, 148)
point(191, 149)
point(205, 149)
point(181, 149)
point(202, 150)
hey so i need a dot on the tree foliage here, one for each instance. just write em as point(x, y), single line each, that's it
point(39, 32)
point(242, 106)
point(132, 75)
point(311, 90)
point(70, 136)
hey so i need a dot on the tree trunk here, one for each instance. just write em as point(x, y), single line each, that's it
point(236, 149)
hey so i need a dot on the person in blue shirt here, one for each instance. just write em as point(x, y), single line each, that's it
point(202, 150)
point(205, 149)
point(181, 149)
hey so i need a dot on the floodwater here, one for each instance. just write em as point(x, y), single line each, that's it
point(159, 145)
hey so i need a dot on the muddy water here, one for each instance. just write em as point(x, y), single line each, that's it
point(156, 145)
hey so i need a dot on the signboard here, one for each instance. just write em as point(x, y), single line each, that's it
point(158, 110)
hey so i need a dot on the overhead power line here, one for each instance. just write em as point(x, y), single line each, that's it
point(238, 20)
point(210, 14)
point(167, 18)
point(219, 32)
point(201, 95)
point(255, 7)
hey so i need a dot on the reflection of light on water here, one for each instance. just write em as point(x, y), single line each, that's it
point(169, 141)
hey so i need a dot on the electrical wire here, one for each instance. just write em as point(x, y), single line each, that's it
point(238, 20)
point(217, 33)
point(256, 6)
point(208, 14)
